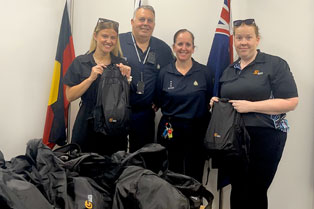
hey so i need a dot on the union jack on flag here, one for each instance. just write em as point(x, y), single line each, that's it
point(221, 53)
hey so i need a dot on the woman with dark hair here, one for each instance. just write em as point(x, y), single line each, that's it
point(183, 94)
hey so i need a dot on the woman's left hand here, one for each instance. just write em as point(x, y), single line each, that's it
point(125, 70)
point(268, 106)
point(241, 106)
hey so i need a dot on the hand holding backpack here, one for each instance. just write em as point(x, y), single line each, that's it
point(226, 135)
point(112, 110)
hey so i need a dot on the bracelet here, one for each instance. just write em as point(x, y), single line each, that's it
point(130, 79)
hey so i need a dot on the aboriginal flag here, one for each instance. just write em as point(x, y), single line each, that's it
point(55, 131)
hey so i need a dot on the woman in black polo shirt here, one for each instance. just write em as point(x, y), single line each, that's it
point(82, 79)
point(262, 88)
point(183, 94)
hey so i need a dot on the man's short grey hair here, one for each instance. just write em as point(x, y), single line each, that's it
point(144, 7)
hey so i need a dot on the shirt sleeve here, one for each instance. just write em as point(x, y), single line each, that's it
point(282, 81)
point(72, 76)
point(165, 55)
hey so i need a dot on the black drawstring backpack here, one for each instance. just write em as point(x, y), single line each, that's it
point(226, 134)
point(112, 110)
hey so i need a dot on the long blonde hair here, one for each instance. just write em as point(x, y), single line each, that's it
point(106, 24)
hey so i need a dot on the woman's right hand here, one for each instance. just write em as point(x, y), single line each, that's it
point(212, 100)
point(96, 70)
point(74, 92)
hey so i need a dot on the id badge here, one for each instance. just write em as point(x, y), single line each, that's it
point(151, 58)
point(140, 87)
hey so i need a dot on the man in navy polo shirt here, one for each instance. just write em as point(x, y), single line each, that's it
point(146, 55)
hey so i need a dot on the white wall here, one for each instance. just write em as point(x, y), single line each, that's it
point(287, 30)
point(28, 41)
point(28, 45)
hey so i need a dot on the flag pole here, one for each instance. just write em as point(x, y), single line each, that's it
point(220, 198)
point(71, 12)
point(71, 3)
point(231, 60)
point(220, 56)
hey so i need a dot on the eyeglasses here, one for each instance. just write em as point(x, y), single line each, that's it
point(103, 20)
point(237, 23)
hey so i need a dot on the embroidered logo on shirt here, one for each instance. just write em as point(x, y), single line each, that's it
point(217, 135)
point(195, 83)
point(257, 72)
point(170, 85)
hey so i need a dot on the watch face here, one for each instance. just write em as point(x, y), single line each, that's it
point(140, 87)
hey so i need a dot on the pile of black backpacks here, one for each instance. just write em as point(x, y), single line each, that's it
point(66, 178)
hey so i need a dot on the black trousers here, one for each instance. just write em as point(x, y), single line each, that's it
point(142, 128)
point(251, 182)
point(185, 150)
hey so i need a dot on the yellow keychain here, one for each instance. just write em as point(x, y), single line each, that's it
point(170, 130)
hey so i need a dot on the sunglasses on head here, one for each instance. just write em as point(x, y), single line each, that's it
point(103, 20)
point(237, 23)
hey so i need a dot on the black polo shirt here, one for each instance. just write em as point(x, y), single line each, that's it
point(159, 56)
point(78, 71)
point(266, 77)
point(184, 96)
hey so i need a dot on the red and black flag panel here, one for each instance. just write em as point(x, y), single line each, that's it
point(57, 112)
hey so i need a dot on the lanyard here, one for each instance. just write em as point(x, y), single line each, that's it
point(138, 55)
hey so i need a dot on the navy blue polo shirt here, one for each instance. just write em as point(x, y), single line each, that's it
point(163, 56)
point(266, 77)
point(184, 96)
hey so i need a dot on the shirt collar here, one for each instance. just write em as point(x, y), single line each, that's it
point(173, 69)
point(151, 41)
point(260, 58)
point(89, 59)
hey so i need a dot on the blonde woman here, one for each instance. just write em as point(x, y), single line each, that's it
point(82, 80)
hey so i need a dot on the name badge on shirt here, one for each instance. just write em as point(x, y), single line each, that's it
point(151, 58)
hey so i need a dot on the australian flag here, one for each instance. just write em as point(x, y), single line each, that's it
point(221, 53)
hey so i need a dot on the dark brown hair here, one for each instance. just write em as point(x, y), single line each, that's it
point(182, 31)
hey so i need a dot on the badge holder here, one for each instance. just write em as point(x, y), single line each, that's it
point(140, 85)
